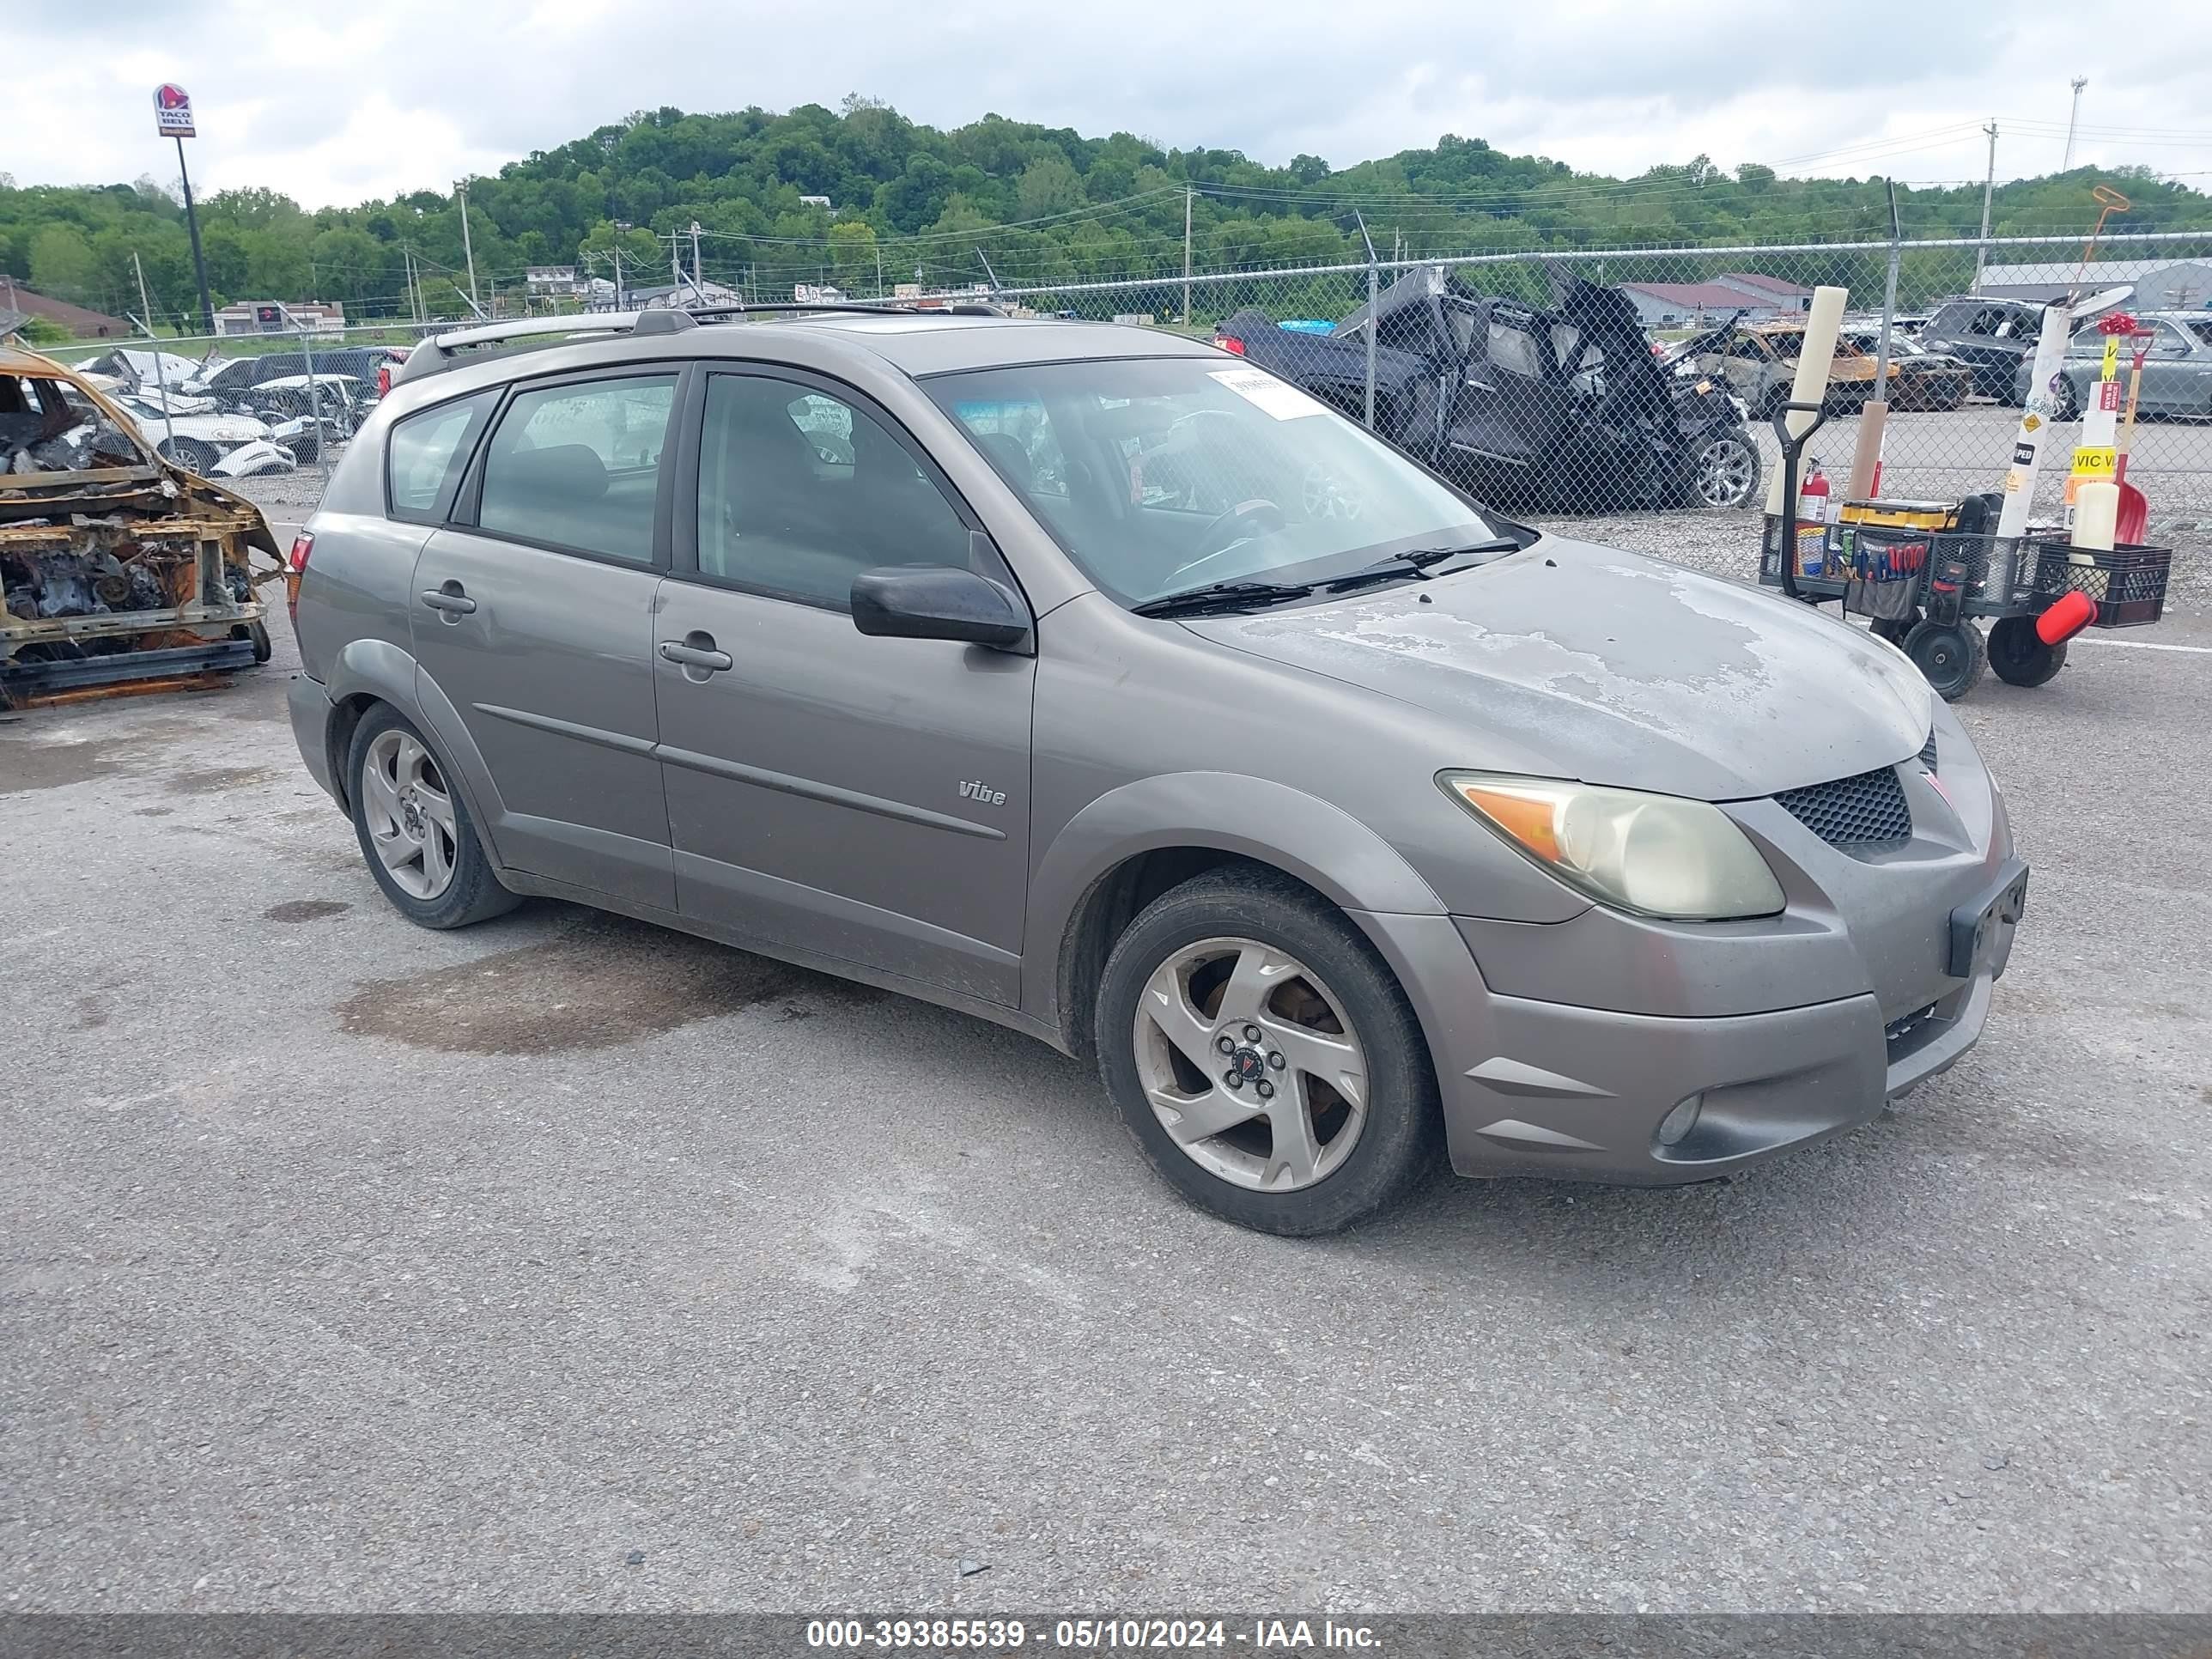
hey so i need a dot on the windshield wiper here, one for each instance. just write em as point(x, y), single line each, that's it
point(1221, 596)
point(1418, 560)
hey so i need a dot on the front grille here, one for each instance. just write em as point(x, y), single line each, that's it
point(1862, 813)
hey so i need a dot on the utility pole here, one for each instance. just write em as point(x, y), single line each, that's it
point(160, 374)
point(468, 247)
point(1989, 188)
point(192, 224)
point(695, 288)
point(1186, 255)
point(622, 229)
point(2074, 115)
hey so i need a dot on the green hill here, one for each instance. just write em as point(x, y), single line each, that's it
point(1042, 204)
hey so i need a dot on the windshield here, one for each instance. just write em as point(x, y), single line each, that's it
point(1158, 475)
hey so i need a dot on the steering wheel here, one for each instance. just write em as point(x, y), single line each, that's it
point(1251, 517)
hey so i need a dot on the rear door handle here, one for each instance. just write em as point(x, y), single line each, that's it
point(696, 651)
point(449, 598)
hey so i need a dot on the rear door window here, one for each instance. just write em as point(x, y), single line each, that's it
point(576, 467)
point(422, 457)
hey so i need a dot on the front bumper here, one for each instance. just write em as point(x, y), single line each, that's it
point(1562, 1049)
point(1584, 1094)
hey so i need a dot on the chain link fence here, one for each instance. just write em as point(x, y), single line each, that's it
point(1557, 382)
point(1496, 368)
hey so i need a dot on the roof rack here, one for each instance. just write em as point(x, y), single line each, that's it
point(886, 307)
point(440, 351)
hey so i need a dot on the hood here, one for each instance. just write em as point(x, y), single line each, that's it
point(1571, 661)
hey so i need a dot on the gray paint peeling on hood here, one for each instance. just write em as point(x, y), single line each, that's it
point(1615, 669)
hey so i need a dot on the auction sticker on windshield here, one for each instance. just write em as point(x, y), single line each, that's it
point(1254, 385)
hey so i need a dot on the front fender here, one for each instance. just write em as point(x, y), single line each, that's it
point(1258, 819)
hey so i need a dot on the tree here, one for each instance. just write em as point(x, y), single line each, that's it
point(1048, 186)
point(61, 264)
point(853, 247)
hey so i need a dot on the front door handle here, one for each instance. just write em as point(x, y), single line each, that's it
point(450, 598)
point(696, 651)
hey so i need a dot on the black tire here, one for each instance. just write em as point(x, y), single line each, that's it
point(2068, 407)
point(2018, 657)
point(257, 631)
point(195, 457)
point(1950, 656)
point(474, 894)
point(1402, 1136)
point(1732, 483)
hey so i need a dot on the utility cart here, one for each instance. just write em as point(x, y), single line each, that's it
point(1922, 573)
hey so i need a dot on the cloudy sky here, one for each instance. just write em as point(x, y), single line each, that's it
point(338, 103)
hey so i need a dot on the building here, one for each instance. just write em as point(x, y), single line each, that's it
point(554, 283)
point(82, 323)
point(276, 317)
point(821, 202)
point(1785, 297)
point(679, 296)
point(2159, 284)
point(1693, 305)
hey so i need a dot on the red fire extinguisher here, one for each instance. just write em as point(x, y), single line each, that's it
point(1812, 496)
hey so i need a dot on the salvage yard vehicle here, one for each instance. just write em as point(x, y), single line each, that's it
point(118, 569)
point(1918, 379)
point(1099, 684)
point(1558, 410)
point(1759, 361)
point(2177, 372)
point(201, 438)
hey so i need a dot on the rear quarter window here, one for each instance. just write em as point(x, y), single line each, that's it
point(423, 453)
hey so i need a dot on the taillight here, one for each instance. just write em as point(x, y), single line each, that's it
point(295, 566)
point(1229, 342)
point(383, 380)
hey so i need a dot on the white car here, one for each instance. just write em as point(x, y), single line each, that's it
point(214, 445)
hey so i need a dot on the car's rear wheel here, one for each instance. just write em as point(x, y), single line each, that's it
point(415, 829)
point(2066, 403)
point(1264, 1057)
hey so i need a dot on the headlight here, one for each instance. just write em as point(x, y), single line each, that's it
point(1657, 855)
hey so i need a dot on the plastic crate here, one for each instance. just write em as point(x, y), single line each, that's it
point(2127, 583)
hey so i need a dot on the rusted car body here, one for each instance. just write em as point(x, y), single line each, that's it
point(120, 571)
point(1759, 362)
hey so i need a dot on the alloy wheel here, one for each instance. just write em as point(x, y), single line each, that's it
point(1251, 1065)
point(1727, 469)
point(410, 814)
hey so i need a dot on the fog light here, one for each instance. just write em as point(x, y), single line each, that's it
point(1674, 1127)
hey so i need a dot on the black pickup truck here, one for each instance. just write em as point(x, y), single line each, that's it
point(1558, 410)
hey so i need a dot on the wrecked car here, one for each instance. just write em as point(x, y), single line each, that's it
point(119, 570)
point(201, 437)
point(1550, 411)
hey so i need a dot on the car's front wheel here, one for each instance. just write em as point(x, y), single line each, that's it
point(1725, 472)
point(415, 830)
point(1264, 1057)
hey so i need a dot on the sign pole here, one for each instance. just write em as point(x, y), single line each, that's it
point(192, 224)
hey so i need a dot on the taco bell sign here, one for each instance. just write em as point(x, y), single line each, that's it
point(173, 112)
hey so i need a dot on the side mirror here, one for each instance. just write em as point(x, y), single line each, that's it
point(937, 602)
